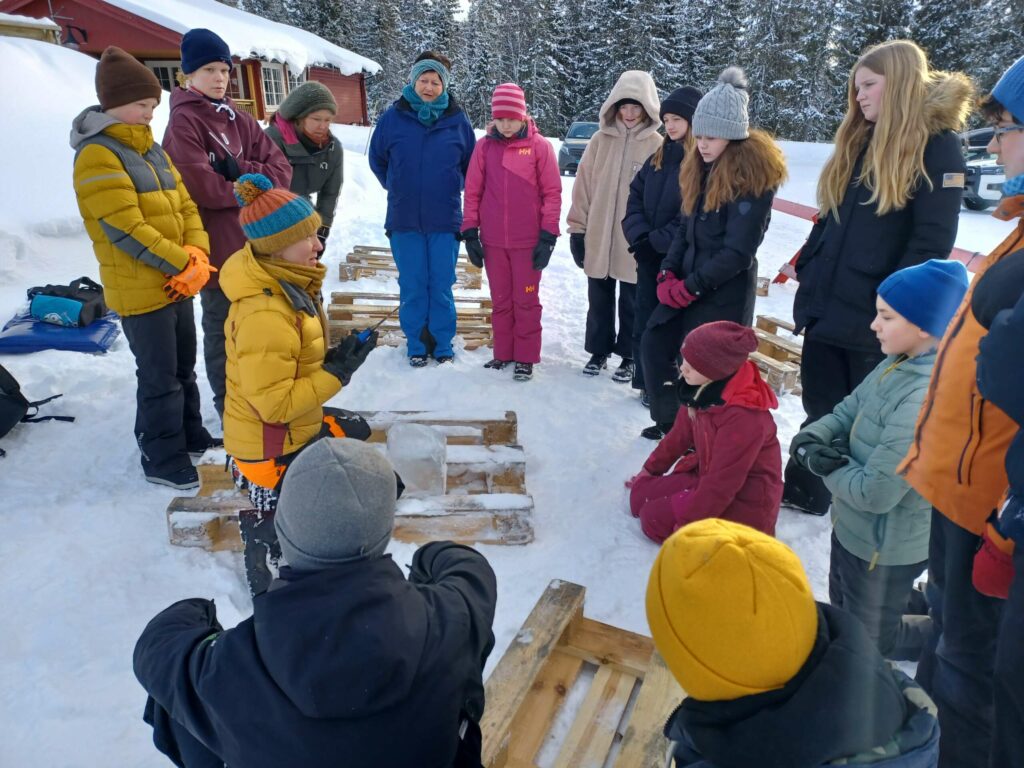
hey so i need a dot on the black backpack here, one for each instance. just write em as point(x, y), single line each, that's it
point(16, 408)
point(74, 306)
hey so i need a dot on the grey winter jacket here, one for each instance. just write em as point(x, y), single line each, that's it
point(321, 172)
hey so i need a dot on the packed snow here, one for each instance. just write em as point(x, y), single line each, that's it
point(85, 544)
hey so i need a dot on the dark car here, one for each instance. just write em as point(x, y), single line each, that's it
point(976, 142)
point(575, 141)
point(983, 185)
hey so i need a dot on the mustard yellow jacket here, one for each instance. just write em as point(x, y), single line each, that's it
point(275, 344)
point(136, 210)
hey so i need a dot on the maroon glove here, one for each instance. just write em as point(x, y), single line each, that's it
point(672, 291)
point(993, 565)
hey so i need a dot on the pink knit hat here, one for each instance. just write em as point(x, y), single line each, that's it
point(718, 349)
point(509, 102)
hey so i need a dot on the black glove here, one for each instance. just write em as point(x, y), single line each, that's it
point(474, 248)
point(642, 249)
point(577, 248)
point(322, 234)
point(801, 439)
point(227, 167)
point(344, 359)
point(543, 249)
point(820, 459)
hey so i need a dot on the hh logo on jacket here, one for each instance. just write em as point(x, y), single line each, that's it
point(526, 151)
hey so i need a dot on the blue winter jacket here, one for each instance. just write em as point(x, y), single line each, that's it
point(422, 168)
point(654, 207)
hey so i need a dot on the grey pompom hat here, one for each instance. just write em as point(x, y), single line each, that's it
point(337, 505)
point(307, 98)
point(722, 112)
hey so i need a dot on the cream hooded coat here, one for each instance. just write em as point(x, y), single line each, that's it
point(608, 165)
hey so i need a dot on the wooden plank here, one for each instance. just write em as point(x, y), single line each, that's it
point(512, 679)
point(215, 479)
point(486, 468)
point(349, 297)
point(781, 376)
point(458, 430)
point(593, 731)
point(643, 743)
point(606, 645)
point(546, 697)
point(789, 349)
point(772, 324)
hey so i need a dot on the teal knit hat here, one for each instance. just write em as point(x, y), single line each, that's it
point(428, 65)
point(273, 218)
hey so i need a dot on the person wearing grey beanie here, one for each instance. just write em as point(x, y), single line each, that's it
point(343, 655)
point(710, 270)
point(301, 129)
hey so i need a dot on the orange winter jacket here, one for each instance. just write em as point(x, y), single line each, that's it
point(957, 459)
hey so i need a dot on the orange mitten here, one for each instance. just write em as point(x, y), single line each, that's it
point(192, 278)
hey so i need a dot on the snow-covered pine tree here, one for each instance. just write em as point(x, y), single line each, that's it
point(325, 18)
point(719, 39)
point(273, 10)
point(947, 31)
point(1000, 28)
point(860, 24)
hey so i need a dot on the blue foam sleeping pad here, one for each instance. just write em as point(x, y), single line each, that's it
point(23, 333)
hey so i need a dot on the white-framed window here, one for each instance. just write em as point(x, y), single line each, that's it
point(273, 84)
point(295, 80)
point(236, 85)
point(166, 72)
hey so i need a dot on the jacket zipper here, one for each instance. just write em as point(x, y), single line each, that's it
point(967, 445)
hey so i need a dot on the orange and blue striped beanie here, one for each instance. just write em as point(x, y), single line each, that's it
point(273, 218)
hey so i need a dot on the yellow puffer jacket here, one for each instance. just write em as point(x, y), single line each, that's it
point(138, 216)
point(275, 344)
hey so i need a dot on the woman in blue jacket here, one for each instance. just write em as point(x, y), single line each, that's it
point(419, 152)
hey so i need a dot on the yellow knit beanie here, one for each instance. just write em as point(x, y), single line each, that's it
point(730, 610)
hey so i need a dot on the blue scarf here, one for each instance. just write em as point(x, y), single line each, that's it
point(1013, 187)
point(427, 111)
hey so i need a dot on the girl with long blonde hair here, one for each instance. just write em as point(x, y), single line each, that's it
point(888, 198)
point(727, 186)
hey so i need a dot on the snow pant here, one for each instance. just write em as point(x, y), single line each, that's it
point(878, 597)
point(215, 315)
point(167, 417)
point(1008, 733)
point(659, 350)
point(646, 300)
point(516, 307)
point(650, 499)
point(957, 664)
point(426, 274)
point(174, 739)
point(601, 337)
point(827, 374)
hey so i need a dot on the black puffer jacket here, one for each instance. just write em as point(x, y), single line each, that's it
point(843, 261)
point(349, 666)
point(654, 203)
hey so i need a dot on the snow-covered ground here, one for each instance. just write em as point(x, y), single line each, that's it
point(86, 560)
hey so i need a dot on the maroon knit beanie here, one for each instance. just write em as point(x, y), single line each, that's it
point(123, 79)
point(717, 350)
point(509, 102)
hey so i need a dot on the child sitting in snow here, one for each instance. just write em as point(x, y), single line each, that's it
point(772, 678)
point(880, 539)
point(727, 457)
point(513, 202)
point(153, 255)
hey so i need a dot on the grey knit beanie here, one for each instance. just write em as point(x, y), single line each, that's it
point(337, 505)
point(307, 98)
point(722, 113)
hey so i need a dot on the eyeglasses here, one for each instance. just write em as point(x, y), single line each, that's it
point(998, 131)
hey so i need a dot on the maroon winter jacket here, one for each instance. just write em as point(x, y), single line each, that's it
point(201, 131)
point(736, 454)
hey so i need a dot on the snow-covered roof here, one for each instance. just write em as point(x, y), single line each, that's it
point(14, 20)
point(249, 36)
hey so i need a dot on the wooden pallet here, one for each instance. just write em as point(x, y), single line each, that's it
point(371, 260)
point(777, 356)
point(356, 310)
point(486, 480)
point(630, 692)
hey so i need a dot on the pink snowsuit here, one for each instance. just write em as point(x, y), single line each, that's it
point(513, 191)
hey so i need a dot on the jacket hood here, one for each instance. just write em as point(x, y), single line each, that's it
point(800, 725)
point(345, 642)
point(747, 389)
point(948, 102)
point(90, 122)
point(637, 85)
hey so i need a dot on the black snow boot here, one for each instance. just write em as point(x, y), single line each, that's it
point(656, 431)
point(523, 372)
point(262, 550)
point(497, 364)
point(624, 372)
point(595, 365)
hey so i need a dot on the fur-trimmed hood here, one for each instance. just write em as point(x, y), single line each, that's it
point(632, 84)
point(948, 102)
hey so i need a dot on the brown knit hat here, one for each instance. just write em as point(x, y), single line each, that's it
point(717, 350)
point(122, 79)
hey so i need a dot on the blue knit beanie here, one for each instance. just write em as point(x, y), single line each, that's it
point(1009, 91)
point(927, 294)
point(201, 46)
point(428, 65)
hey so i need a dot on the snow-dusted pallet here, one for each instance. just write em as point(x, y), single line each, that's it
point(534, 702)
point(356, 310)
point(370, 260)
point(776, 356)
point(486, 481)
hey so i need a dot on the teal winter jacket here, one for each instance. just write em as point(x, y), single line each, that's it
point(877, 516)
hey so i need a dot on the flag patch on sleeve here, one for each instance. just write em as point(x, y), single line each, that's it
point(952, 180)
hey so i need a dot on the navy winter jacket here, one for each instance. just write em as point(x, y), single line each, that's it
point(422, 168)
point(351, 666)
point(655, 202)
point(845, 702)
